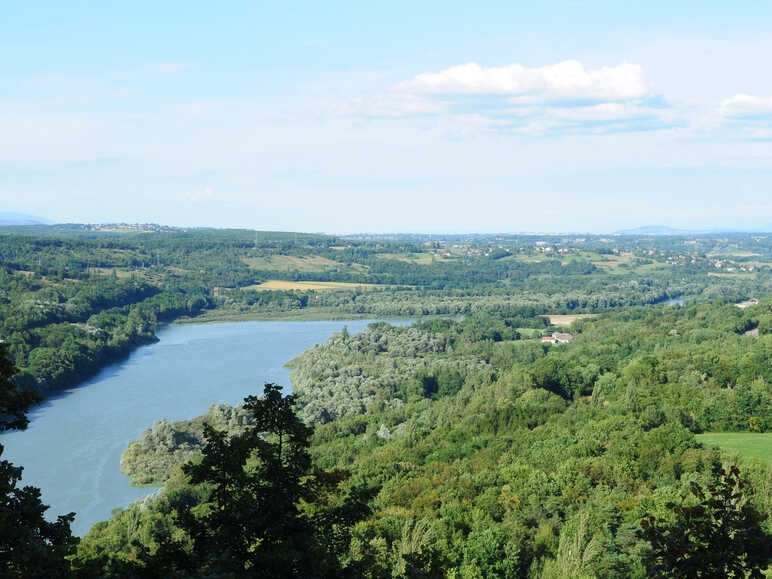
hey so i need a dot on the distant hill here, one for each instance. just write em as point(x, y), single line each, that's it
point(7, 218)
point(654, 230)
point(665, 230)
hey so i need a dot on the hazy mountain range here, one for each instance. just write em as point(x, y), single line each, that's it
point(665, 230)
point(8, 218)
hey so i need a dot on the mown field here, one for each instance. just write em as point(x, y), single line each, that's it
point(749, 444)
point(567, 319)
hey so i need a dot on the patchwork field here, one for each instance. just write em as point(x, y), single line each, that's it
point(749, 444)
point(275, 284)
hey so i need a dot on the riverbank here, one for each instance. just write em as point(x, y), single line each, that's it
point(306, 315)
point(73, 446)
point(213, 316)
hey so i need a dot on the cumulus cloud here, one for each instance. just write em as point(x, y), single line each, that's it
point(568, 80)
point(565, 96)
point(745, 105)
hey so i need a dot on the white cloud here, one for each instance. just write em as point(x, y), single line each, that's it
point(568, 80)
point(205, 194)
point(745, 105)
point(527, 100)
point(602, 112)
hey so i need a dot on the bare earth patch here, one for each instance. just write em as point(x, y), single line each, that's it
point(567, 319)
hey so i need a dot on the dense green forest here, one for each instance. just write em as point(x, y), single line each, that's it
point(481, 453)
point(74, 298)
point(460, 446)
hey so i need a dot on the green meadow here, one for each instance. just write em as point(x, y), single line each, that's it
point(750, 444)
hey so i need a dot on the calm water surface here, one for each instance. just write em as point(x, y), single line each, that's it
point(73, 445)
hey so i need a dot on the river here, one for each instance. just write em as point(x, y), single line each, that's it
point(73, 445)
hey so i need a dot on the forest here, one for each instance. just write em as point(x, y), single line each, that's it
point(477, 453)
point(462, 445)
point(74, 298)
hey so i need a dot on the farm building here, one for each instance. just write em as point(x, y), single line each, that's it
point(558, 338)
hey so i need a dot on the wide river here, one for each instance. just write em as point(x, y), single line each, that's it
point(73, 445)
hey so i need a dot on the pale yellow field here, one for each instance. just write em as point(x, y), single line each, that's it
point(275, 284)
point(565, 320)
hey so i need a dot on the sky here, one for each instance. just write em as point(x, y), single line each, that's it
point(394, 116)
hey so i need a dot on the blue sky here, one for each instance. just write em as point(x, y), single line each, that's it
point(389, 116)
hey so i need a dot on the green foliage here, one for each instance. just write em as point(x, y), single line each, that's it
point(478, 450)
point(75, 298)
point(30, 546)
point(14, 403)
point(250, 505)
point(150, 459)
point(720, 536)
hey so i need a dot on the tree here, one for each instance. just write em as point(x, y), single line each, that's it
point(269, 514)
point(14, 403)
point(721, 536)
point(30, 546)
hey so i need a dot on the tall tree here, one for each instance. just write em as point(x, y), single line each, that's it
point(269, 514)
point(30, 546)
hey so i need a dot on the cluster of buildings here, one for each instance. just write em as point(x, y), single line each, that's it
point(558, 338)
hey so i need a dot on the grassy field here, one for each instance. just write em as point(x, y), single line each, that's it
point(748, 444)
point(417, 258)
point(730, 275)
point(120, 273)
point(274, 284)
point(565, 320)
point(609, 261)
point(732, 253)
point(290, 262)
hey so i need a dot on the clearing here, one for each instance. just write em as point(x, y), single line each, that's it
point(416, 258)
point(730, 275)
point(610, 261)
point(566, 319)
point(749, 444)
point(291, 262)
